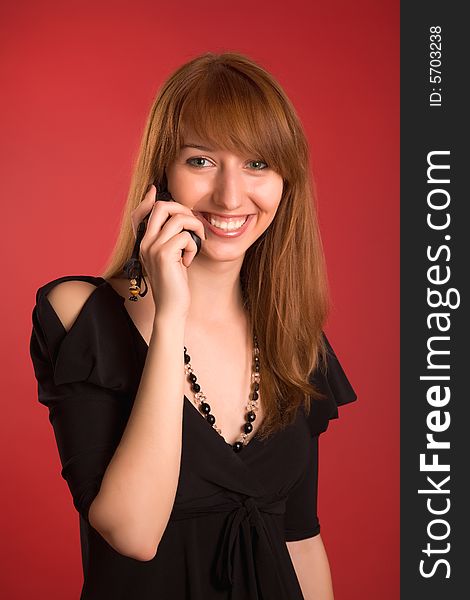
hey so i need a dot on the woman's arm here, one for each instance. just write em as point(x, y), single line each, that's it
point(138, 489)
point(312, 568)
point(133, 506)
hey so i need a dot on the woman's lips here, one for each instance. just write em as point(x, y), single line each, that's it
point(227, 234)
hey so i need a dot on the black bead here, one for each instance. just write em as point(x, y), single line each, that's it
point(256, 359)
point(251, 416)
point(256, 386)
point(205, 408)
point(248, 427)
point(237, 446)
point(255, 396)
point(187, 358)
point(192, 377)
point(256, 367)
point(196, 387)
point(210, 418)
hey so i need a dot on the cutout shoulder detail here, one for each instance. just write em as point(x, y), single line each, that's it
point(68, 299)
point(98, 348)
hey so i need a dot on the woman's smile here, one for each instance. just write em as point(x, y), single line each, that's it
point(225, 227)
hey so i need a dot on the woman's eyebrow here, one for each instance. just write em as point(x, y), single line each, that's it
point(198, 147)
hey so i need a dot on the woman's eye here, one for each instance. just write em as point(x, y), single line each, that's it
point(257, 164)
point(198, 162)
point(196, 158)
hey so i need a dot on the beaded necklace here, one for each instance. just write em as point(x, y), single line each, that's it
point(252, 404)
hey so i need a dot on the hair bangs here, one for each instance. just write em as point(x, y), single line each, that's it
point(231, 113)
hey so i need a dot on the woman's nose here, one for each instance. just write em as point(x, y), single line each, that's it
point(228, 189)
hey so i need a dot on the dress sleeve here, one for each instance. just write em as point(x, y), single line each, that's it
point(81, 376)
point(330, 380)
point(301, 517)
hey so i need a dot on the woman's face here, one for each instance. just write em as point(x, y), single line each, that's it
point(235, 197)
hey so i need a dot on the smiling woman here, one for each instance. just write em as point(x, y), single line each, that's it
point(221, 113)
point(232, 194)
point(187, 423)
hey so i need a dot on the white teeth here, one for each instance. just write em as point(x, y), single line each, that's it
point(225, 225)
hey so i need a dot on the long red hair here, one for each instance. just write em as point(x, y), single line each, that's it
point(233, 102)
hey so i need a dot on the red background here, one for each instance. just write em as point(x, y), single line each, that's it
point(78, 81)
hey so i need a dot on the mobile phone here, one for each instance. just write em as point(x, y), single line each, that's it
point(164, 194)
point(133, 267)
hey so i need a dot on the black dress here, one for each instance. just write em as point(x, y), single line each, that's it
point(233, 512)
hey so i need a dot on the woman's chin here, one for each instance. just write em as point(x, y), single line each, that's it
point(218, 253)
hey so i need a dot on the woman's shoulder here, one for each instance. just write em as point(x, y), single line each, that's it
point(79, 325)
point(60, 302)
point(68, 298)
point(70, 282)
point(68, 295)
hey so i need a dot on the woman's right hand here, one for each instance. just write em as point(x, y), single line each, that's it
point(160, 252)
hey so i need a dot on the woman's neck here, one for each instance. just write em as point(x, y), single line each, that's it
point(216, 294)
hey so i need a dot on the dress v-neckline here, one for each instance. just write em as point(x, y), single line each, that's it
point(229, 446)
point(200, 417)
